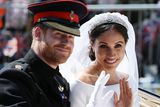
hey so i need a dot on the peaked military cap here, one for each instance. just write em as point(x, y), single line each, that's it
point(63, 15)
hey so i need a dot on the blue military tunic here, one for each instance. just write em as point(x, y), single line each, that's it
point(29, 82)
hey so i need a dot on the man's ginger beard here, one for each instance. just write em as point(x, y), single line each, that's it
point(50, 55)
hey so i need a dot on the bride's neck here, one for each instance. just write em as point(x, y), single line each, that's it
point(114, 78)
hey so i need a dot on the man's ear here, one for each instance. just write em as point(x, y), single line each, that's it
point(37, 33)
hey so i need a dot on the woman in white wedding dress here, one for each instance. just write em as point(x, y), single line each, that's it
point(108, 39)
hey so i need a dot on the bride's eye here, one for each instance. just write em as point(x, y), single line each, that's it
point(103, 46)
point(118, 46)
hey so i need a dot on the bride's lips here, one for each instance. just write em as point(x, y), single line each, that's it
point(110, 61)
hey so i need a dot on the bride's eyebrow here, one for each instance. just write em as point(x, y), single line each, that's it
point(115, 42)
point(119, 42)
point(103, 43)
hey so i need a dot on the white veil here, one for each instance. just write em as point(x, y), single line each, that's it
point(81, 50)
point(80, 56)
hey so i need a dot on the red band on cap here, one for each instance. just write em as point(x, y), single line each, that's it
point(62, 15)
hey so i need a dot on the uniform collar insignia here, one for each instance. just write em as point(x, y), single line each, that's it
point(19, 67)
point(61, 88)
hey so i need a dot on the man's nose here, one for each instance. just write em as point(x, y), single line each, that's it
point(65, 40)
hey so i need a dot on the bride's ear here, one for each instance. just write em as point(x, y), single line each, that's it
point(92, 46)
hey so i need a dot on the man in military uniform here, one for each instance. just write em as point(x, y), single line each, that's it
point(35, 81)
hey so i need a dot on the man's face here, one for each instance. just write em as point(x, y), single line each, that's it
point(56, 46)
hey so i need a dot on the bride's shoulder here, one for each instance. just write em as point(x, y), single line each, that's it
point(87, 77)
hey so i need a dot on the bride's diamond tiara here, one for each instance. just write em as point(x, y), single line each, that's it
point(108, 18)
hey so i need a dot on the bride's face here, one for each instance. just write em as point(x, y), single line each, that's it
point(109, 49)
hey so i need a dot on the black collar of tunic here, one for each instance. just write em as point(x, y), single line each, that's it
point(39, 65)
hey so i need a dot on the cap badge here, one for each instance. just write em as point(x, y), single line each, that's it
point(72, 15)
